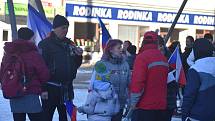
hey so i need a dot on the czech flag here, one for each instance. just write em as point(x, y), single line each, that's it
point(176, 63)
point(38, 24)
point(71, 111)
point(105, 34)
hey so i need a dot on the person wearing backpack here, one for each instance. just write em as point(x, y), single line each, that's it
point(102, 101)
point(22, 75)
point(63, 58)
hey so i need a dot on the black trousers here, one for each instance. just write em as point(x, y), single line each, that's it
point(118, 116)
point(32, 116)
point(54, 101)
point(169, 114)
point(148, 115)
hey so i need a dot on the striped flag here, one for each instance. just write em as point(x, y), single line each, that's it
point(176, 63)
point(105, 34)
point(38, 24)
point(71, 111)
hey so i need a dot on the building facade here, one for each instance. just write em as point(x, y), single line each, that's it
point(129, 19)
point(125, 19)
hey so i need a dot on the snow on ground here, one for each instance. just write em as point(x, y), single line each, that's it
point(80, 97)
point(5, 114)
point(82, 71)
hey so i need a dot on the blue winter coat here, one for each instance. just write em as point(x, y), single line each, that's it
point(199, 99)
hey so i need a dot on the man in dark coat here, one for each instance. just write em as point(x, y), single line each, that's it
point(188, 50)
point(63, 59)
point(131, 56)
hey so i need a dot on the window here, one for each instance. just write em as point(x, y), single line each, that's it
point(87, 35)
point(85, 30)
point(5, 35)
point(163, 29)
point(128, 33)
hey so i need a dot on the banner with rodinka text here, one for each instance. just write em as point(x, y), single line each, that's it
point(113, 13)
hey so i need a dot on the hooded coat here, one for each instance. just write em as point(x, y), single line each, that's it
point(198, 101)
point(36, 71)
point(35, 67)
point(149, 79)
point(102, 101)
point(101, 105)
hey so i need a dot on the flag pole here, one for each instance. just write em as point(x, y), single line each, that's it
point(12, 19)
point(40, 7)
point(175, 21)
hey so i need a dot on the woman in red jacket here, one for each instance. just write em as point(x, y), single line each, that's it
point(36, 73)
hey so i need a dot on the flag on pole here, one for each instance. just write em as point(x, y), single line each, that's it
point(176, 63)
point(105, 34)
point(71, 111)
point(38, 24)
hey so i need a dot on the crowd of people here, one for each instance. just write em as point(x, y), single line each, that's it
point(121, 80)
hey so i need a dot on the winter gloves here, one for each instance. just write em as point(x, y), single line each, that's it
point(81, 110)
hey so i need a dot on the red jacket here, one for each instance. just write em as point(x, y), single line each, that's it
point(35, 67)
point(149, 79)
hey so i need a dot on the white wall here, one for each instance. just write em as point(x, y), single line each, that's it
point(113, 29)
point(71, 30)
point(3, 26)
point(191, 4)
point(6, 27)
point(1, 43)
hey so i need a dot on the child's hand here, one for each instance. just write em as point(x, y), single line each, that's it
point(80, 109)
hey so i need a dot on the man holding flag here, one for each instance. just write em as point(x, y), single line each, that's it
point(63, 59)
point(175, 77)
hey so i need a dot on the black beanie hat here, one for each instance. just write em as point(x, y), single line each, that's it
point(203, 48)
point(132, 49)
point(60, 21)
point(25, 33)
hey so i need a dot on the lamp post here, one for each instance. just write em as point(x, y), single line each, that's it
point(12, 19)
point(175, 21)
